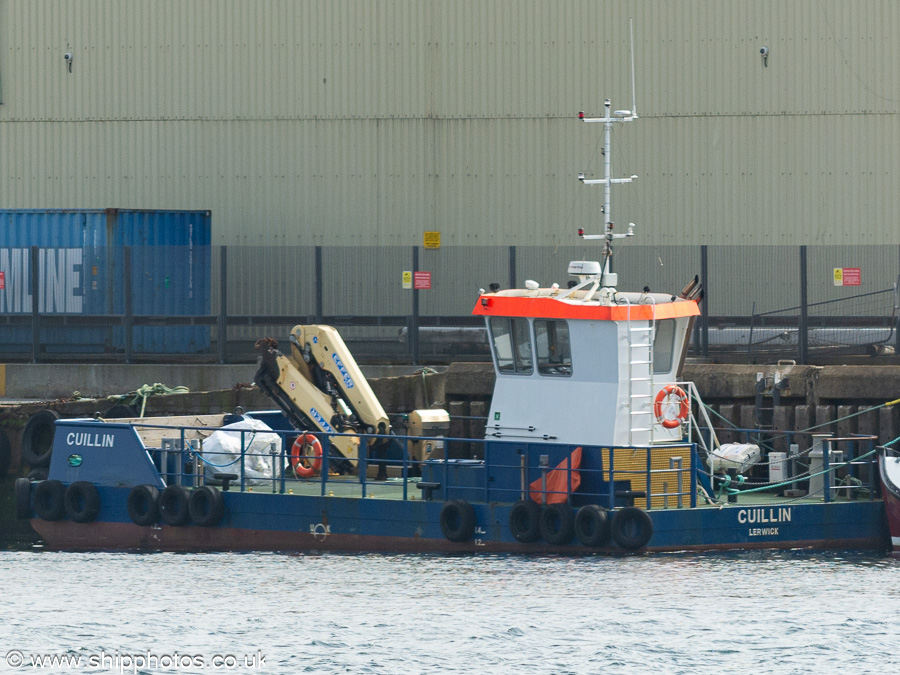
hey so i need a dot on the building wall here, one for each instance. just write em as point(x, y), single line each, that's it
point(354, 123)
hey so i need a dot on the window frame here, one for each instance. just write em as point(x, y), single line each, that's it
point(670, 349)
point(558, 340)
point(514, 336)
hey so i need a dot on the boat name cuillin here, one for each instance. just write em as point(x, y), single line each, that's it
point(757, 516)
point(90, 440)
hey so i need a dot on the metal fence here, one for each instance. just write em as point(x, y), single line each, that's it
point(409, 304)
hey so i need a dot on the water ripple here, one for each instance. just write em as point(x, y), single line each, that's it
point(781, 612)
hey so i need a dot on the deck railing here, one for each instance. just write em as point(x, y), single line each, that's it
point(818, 464)
point(655, 477)
point(509, 472)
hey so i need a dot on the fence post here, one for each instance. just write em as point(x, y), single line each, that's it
point(223, 303)
point(129, 309)
point(35, 305)
point(319, 286)
point(896, 303)
point(802, 332)
point(414, 319)
point(704, 306)
point(512, 266)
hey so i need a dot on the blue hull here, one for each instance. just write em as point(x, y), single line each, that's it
point(257, 521)
point(97, 467)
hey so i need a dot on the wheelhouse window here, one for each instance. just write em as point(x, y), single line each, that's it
point(554, 352)
point(512, 345)
point(664, 346)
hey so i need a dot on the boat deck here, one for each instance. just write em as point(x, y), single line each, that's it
point(340, 486)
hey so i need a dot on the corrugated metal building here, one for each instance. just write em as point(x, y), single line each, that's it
point(349, 123)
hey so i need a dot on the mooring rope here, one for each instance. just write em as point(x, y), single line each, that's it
point(145, 391)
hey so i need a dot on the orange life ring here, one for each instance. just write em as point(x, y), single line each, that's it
point(672, 393)
point(299, 456)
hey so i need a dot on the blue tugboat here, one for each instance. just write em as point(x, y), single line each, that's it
point(593, 445)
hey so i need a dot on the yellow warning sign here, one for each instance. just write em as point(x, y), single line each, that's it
point(431, 239)
point(847, 276)
point(407, 280)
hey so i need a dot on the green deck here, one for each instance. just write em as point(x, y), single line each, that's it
point(341, 486)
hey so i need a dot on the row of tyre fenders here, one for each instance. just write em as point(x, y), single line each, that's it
point(629, 527)
point(80, 503)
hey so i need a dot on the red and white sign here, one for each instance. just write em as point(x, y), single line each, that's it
point(852, 276)
point(2, 281)
point(422, 281)
point(847, 276)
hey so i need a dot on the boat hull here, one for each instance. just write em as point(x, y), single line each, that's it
point(889, 468)
point(277, 522)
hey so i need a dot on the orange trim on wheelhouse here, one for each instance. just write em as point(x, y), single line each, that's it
point(553, 308)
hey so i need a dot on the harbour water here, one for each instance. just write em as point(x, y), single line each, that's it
point(760, 612)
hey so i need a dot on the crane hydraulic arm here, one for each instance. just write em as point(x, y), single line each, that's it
point(319, 386)
point(326, 354)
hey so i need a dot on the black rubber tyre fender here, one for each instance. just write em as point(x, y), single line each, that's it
point(524, 521)
point(23, 498)
point(5, 453)
point(631, 528)
point(458, 520)
point(173, 505)
point(49, 500)
point(37, 438)
point(206, 506)
point(82, 501)
point(143, 505)
point(557, 523)
point(38, 474)
point(592, 525)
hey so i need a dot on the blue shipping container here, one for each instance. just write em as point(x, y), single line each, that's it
point(81, 263)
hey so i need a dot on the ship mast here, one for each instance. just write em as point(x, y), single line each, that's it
point(607, 182)
point(608, 279)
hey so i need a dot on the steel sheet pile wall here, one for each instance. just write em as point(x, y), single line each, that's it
point(81, 258)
